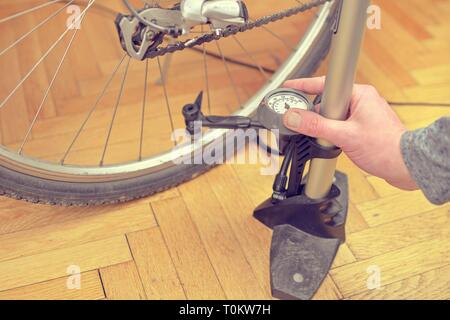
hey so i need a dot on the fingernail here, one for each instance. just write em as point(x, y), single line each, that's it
point(293, 120)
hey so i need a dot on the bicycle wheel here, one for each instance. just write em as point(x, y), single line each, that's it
point(82, 123)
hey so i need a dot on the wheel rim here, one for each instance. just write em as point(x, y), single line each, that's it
point(69, 173)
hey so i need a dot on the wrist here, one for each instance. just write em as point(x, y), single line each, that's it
point(402, 178)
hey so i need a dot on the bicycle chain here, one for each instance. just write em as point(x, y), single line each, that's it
point(181, 45)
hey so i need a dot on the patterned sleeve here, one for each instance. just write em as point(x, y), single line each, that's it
point(426, 154)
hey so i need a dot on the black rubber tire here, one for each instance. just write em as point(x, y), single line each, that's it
point(38, 190)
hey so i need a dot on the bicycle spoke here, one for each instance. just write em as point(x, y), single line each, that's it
point(281, 39)
point(116, 107)
point(19, 14)
point(205, 65)
point(229, 74)
point(44, 99)
point(91, 111)
point(287, 44)
point(252, 58)
point(43, 22)
point(165, 68)
point(166, 96)
point(91, 2)
point(144, 100)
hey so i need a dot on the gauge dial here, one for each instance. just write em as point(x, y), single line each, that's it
point(283, 101)
point(276, 103)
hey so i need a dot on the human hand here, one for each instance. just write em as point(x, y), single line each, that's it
point(370, 136)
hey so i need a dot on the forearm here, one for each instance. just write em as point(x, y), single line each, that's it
point(426, 153)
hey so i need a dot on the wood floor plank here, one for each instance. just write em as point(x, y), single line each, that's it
point(122, 282)
point(54, 264)
point(395, 207)
point(344, 256)
point(189, 256)
point(412, 26)
point(392, 50)
point(428, 93)
point(382, 188)
point(411, 115)
point(56, 289)
point(75, 232)
point(394, 266)
point(392, 236)
point(328, 291)
point(369, 73)
point(254, 237)
point(432, 285)
point(416, 12)
point(387, 61)
point(168, 194)
point(257, 186)
point(360, 189)
point(232, 265)
point(155, 266)
point(355, 220)
point(20, 215)
point(432, 74)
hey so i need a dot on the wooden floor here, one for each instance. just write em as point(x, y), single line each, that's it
point(199, 241)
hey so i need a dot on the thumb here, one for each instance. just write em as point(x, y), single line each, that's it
point(314, 125)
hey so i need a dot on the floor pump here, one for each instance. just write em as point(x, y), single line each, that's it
point(307, 212)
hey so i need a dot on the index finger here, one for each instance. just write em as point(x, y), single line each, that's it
point(307, 85)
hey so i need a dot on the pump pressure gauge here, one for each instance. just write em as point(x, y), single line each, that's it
point(276, 103)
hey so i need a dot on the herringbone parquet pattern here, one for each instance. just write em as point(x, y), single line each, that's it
point(199, 240)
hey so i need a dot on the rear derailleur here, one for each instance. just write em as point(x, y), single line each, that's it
point(144, 29)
